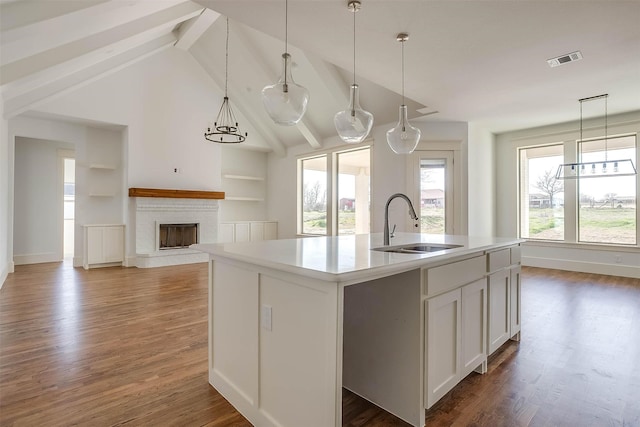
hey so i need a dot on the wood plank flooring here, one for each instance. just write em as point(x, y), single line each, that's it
point(123, 346)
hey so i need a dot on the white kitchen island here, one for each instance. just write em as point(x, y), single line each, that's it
point(292, 322)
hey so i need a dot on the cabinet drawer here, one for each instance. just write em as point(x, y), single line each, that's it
point(515, 255)
point(451, 276)
point(498, 259)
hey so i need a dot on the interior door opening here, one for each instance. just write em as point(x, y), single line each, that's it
point(69, 202)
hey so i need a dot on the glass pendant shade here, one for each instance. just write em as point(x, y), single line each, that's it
point(403, 138)
point(285, 101)
point(354, 123)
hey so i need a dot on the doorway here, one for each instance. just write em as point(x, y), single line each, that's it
point(431, 190)
point(69, 205)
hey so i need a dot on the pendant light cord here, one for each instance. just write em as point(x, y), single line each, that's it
point(226, 61)
point(402, 42)
point(605, 127)
point(286, 25)
point(355, 10)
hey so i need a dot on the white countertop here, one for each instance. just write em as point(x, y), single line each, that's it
point(348, 258)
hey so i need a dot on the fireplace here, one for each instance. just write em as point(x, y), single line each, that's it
point(177, 236)
point(150, 212)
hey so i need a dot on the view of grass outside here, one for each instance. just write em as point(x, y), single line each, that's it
point(607, 212)
point(606, 209)
point(350, 200)
point(432, 220)
point(432, 196)
point(541, 194)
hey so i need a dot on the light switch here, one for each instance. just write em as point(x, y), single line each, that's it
point(266, 317)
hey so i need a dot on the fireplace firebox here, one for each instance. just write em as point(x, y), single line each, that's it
point(177, 236)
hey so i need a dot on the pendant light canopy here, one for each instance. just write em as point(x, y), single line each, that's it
point(285, 101)
point(403, 138)
point(595, 169)
point(225, 128)
point(354, 123)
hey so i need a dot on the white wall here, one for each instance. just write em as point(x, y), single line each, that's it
point(37, 221)
point(91, 145)
point(482, 182)
point(6, 200)
point(164, 104)
point(624, 261)
point(388, 175)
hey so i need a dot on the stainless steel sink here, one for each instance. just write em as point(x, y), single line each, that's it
point(417, 248)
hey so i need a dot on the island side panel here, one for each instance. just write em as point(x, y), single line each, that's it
point(383, 338)
point(298, 354)
point(283, 369)
point(233, 334)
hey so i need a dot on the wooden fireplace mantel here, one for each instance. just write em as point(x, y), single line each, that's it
point(175, 194)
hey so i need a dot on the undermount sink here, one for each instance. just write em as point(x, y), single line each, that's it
point(417, 248)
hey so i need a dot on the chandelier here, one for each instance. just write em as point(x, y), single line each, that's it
point(225, 128)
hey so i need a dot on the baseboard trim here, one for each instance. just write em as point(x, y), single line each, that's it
point(585, 267)
point(36, 258)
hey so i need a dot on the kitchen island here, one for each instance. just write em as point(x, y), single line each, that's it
point(292, 322)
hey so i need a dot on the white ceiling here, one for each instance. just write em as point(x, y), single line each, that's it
point(473, 61)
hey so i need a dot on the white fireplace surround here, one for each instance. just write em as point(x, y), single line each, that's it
point(150, 212)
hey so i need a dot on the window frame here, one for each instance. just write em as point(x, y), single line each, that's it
point(571, 194)
point(332, 186)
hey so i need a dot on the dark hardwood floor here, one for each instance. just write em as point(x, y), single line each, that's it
point(122, 346)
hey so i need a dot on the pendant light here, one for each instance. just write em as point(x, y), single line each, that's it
point(225, 128)
point(285, 101)
point(596, 169)
point(403, 138)
point(354, 123)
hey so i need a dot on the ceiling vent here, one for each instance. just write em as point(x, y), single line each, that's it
point(565, 59)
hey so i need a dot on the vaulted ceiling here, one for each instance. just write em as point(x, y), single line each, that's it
point(473, 61)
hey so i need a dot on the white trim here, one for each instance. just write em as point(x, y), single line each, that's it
point(585, 267)
point(36, 258)
point(3, 276)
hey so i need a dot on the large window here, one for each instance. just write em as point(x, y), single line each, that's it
point(607, 205)
point(592, 207)
point(541, 194)
point(335, 192)
point(314, 195)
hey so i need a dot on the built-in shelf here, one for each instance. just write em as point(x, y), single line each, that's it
point(244, 177)
point(245, 199)
point(102, 166)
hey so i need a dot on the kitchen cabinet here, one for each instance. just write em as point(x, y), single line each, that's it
point(503, 268)
point(103, 245)
point(293, 322)
point(455, 325)
point(247, 231)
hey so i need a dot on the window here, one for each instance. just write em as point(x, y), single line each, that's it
point(607, 204)
point(541, 194)
point(314, 195)
point(599, 209)
point(343, 208)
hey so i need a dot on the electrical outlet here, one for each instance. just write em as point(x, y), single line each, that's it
point(266, 317)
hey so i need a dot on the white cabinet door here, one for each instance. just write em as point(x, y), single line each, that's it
point(226, 231)
point(515, 302)
point(112, 244)
point(443, 344)
point(270, 230)
point(498, 308)
point(93, 241)
point(103, 245)
point(474, 326)
point(242, 232)
point(256, 231)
